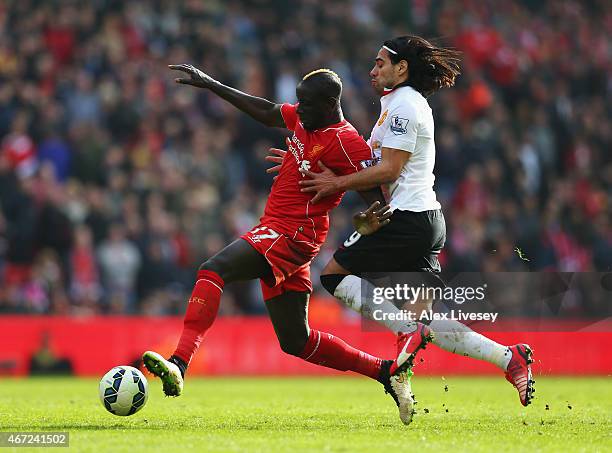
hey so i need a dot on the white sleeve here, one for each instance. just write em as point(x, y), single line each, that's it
point(402, 130)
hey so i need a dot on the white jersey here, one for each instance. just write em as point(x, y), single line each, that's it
point(406, 123)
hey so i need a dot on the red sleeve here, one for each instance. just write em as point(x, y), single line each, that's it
point(289, 114)
point(352, 154)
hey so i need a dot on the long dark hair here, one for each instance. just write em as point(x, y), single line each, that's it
point(429, 67)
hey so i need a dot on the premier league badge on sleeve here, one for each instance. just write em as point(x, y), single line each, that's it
point(398, 126)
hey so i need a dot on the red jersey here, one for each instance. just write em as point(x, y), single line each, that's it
point(288, 210)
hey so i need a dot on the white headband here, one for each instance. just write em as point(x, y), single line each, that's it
point(390, 50)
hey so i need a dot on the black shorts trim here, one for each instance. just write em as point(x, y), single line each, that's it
point(411, 242)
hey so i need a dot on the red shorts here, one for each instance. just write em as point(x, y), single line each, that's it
point(290, 264)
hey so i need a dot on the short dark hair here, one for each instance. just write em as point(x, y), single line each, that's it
point(429, 67)
point(328, 83)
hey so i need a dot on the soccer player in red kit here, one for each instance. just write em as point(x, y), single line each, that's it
point(279, 250)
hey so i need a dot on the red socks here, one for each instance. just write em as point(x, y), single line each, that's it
point(321, 348)
point(326, 350)
point(201, 313)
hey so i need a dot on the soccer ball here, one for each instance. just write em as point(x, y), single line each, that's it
point(123, 390)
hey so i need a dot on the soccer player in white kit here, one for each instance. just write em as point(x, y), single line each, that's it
point(407, 69)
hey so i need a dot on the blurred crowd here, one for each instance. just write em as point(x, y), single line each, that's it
point(116, 183)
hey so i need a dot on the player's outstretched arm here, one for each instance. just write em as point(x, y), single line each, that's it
point(260, 109)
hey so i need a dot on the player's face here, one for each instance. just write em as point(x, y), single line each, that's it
point(312, 108)
point(383, 74)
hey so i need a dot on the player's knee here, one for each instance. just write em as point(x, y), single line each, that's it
point(214, 265)
point(331, 281)
point(293, 344)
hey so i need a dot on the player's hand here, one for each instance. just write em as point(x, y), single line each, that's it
point(276, 156)
point(372, 219)
point(196, 78)
point(278, 159)
point(323, 184)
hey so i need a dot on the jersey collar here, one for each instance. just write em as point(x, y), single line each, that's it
point(387, 91)
point(332, 126)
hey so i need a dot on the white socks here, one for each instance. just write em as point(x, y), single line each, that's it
point(452, 336)
point(349, 292)
point(449, 335)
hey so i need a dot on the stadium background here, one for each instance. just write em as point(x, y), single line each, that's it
point(115, 184)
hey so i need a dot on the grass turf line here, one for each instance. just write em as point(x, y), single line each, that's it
point(319, 414)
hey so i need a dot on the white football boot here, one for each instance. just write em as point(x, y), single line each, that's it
point(398, 386)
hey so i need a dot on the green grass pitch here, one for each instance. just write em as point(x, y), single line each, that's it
point(345, 414)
